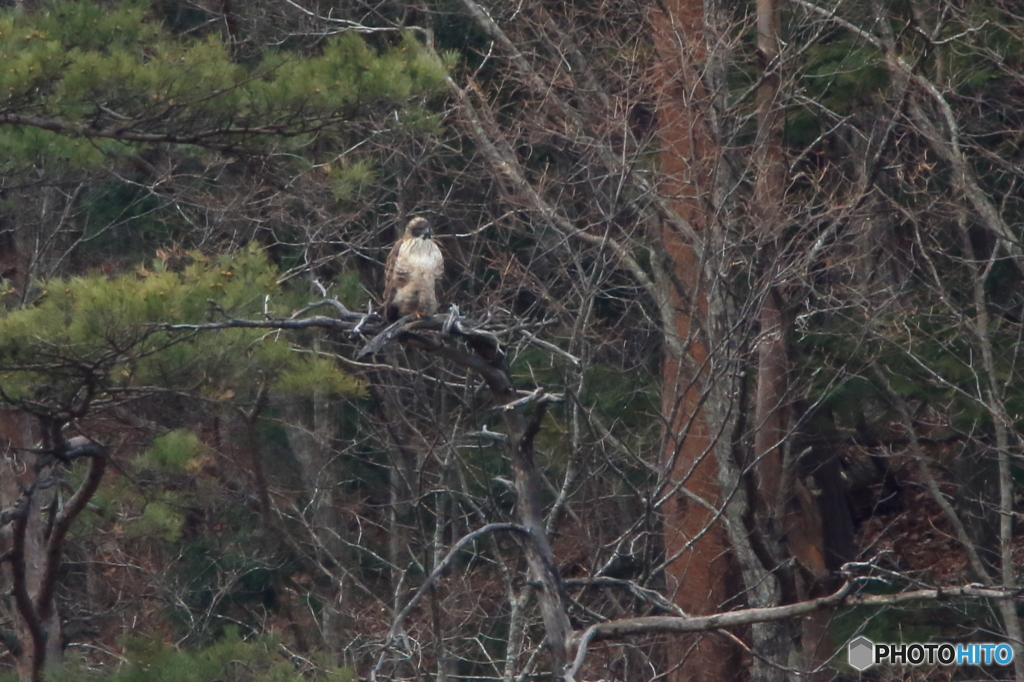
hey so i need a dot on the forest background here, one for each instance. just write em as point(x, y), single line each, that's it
point(738, 298)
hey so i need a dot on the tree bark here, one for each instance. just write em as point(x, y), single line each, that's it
point(36, 626)
point(774, 640)
point(696, 544)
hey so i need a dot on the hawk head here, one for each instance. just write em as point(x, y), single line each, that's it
point(418, 228)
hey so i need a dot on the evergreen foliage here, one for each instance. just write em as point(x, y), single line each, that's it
point(83, 78)
point(91, 342)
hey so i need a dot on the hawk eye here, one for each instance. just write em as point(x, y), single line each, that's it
point(418, 227)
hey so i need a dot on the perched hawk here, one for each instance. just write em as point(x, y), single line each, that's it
point(414, 266)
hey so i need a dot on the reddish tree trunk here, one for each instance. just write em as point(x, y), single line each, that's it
point(698, 576)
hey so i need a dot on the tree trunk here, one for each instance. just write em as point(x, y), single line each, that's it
point(696, 544)
point(311, 443)
point(774, 641)
point(36, 639)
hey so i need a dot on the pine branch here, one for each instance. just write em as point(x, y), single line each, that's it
point(124, 133)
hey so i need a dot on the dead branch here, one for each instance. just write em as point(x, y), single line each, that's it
point(844, 596)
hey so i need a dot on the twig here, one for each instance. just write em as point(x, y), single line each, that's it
point(396, 625)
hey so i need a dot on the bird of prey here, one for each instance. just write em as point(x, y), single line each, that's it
point(414, 266)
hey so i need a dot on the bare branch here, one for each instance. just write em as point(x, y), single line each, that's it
point(399, 620)
point(618, 629)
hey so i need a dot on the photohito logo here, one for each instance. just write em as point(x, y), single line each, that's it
point(863, 653)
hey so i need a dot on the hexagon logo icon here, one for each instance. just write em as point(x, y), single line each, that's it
point(861, 653)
